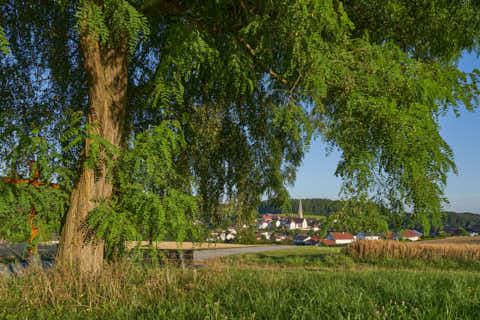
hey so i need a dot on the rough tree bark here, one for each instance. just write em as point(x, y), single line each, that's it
point(106, 70)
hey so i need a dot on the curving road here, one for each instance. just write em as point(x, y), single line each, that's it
point(49, 251)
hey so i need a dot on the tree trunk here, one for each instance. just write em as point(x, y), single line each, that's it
point(106, 70)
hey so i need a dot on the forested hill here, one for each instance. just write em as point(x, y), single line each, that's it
point(321, 207)
point(460, 219)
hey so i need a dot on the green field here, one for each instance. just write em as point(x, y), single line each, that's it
point(300, 283)
point(304, 257)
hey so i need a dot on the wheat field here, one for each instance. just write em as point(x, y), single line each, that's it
point(463, 249)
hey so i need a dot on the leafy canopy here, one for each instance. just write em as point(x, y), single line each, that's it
point(224, 97)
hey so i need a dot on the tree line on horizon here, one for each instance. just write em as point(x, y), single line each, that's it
point(323, 207)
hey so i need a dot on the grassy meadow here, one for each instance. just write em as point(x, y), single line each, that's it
point(299, 283)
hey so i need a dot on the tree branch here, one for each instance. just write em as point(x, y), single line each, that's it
point(254, 55)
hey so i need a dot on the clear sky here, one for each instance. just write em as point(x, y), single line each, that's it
point(316, 179)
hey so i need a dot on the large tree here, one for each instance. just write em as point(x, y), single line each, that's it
point(136, 106)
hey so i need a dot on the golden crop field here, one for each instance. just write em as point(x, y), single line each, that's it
point(454, 241)
point(460, 249)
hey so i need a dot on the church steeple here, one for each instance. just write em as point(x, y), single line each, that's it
point(300, 210)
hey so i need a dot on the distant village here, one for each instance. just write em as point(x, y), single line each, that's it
point(278, 228)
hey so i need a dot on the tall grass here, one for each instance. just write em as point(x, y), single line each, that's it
point(370, 251)
point(301, 257)
point(124, 291)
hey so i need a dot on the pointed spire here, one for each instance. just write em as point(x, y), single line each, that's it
point(300, 210)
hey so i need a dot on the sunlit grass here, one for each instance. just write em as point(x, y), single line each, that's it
point(298, 283)
point(132, 292)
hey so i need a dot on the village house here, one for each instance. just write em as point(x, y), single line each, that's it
point(340, 237)
point(412, 235)
point(277, 223)
point(279, 237)
point(301, 239)
point(301, 224)
point(262, 225)
point(226, 236)
point(326, 242)
point(267, 218)
point(291, 224)
point(265, 235)
point(364, 236)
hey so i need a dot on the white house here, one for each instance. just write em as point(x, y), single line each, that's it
point(301, 224)
point(340, 237)
point(363, 236)
point(279, 237)
point(265, 234)
point(292, 225)
point(262, 225)
point(412, 235)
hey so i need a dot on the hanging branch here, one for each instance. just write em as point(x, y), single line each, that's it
point(254, 55)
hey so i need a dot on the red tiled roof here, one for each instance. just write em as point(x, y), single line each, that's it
point(327, 242)
point(411, 234)
point(341, 235)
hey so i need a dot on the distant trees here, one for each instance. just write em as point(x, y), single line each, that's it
point(246, 236)
point(462, 232)
point(315, 206)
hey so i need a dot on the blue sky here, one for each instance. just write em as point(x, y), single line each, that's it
point(316, 179)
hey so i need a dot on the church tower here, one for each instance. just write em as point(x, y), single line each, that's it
point(300, 210)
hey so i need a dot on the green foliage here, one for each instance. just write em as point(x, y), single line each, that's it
point(238, 107)
point(314, 207)
point(112, 22)
point(464, 220)
point(152, 201)
point(3, 42)
point(16, 202)
point(246, 236)
point(462, 232)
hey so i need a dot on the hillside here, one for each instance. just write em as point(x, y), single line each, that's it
point(464, 220)
point(324, 207)
point(315, 206)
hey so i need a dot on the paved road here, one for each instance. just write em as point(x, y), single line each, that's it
point(198, 255)
point(201, 255)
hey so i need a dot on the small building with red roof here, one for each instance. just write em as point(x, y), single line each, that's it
point(340, 237)
point(412, 235)
point(326, 242)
